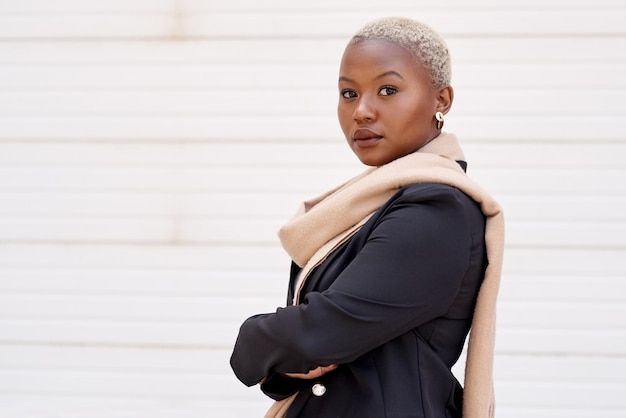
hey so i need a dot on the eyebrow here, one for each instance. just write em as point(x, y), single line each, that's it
point(385, 74)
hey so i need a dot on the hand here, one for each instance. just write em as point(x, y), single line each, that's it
point(312, 374)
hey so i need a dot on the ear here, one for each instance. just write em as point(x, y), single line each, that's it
point(445, 96)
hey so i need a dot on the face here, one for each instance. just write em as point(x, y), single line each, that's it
point(387, 103)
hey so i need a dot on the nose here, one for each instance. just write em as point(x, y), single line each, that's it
point(364, 111)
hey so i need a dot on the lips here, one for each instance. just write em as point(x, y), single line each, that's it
point(363, 134)
point(366, 138)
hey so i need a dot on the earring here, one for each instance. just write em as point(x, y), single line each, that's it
point(439, 117)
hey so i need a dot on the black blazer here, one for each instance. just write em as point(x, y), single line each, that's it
point(392, 306)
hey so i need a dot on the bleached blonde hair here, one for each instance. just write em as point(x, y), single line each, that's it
point(419, 39)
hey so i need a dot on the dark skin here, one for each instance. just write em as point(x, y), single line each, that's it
point(386, 109)
point(387, 102)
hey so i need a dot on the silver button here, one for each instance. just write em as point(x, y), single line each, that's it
point(318, 389)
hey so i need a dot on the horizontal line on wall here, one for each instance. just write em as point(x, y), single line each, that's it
point(141, 346)
point(309, 37)
point(559, 355)
point(146, 244)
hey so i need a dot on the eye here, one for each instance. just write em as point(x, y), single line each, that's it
point(387, 91)
point(348, 94)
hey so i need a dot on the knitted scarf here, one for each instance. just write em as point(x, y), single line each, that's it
point(321, 224)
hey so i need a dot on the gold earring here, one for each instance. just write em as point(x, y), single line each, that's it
point(439, 117)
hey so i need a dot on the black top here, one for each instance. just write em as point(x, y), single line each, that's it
point(392, 306)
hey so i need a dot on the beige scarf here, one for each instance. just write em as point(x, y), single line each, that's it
point(323, 223)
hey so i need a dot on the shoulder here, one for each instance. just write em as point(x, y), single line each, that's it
point(431, 192)
point(433, 203)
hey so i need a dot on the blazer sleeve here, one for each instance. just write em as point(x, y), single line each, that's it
point(408, 272)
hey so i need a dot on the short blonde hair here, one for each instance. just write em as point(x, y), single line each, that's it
point(421, 40)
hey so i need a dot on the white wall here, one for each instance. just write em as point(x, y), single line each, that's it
point(149, 150)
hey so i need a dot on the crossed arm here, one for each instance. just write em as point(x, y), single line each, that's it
point(407, 273)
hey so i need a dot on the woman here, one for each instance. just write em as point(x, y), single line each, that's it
point(389, 266)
